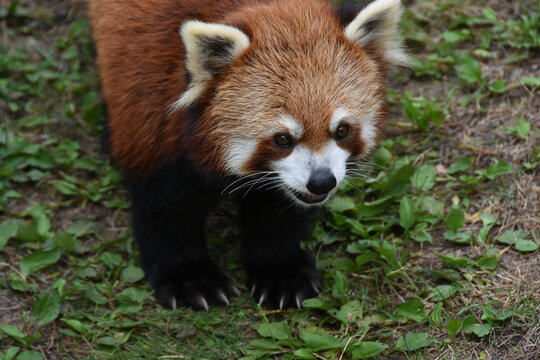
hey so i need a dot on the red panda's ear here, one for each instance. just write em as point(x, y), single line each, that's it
point(377, 25)
point(209, 47)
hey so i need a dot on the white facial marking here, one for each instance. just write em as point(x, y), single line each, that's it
point(290, 123)
point(238, 151)
point(296, 169)
point(339, 115)
point(369, 133)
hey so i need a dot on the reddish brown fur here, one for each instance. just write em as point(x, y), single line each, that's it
point(298, 63)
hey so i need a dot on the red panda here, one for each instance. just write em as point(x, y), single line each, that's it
point(272, 99)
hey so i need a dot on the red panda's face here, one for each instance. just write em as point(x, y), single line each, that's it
point(296, 101)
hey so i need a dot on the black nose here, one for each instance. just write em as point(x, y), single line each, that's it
point(321, 182)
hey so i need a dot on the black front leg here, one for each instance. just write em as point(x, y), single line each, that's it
point(279, 273)
point(169, 210)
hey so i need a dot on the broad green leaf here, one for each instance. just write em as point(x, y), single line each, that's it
point(432, 206)
point(39, 260)
point(499, 168)
point(8, 229)
point(65, 241)
point(41, 221)
point(462, 164)
point(435, 315)
point(453, 326)
point(471, 325)
point(11, 352)
point(498, 86)
point(406, 213)
point(132, 274)
point(341, 204)
point(304, 354)
point(367, 349)
point(511, 237)
point(318, 339)
point(442, 292)
point(455, 218)
point(77, 325)
point(276, 330)
point(488, 262)
point(412, 309)
point(456, 262)
point(469, 70)
point(46, 308)
point(526, 245)
point(531, 81)
point(413, 341)
point(30, 355)
point(424, 178)
point(490, 314)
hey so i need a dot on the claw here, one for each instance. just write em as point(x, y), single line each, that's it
point(173, 303)
point(298, 301)
point(281, 302)
point(262, 298)
point(252, 291)
point(201, 301)
point(221, 296)
point(235, 290)
point(315, 287)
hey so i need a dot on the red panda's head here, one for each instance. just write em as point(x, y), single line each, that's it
point(291, 88)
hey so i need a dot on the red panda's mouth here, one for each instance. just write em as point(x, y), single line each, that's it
point(310, 198)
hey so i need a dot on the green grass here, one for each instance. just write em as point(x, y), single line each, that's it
point(432, 252)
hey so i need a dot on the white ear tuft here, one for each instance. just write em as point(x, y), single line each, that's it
point(377, 24)
point(209, 47)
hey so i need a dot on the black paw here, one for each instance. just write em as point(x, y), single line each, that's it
point(283, 284)
point(195, 285)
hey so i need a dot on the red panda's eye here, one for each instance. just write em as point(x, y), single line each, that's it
point(283, 141)
point(342, 131)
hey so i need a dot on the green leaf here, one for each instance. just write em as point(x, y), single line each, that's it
point(531, 81)
point(413, 309)
point(317, 339)
point(65, 241)
point(30, 355)
point(442, 292)
point(46, 308)
point(498, 86)
point(406, 213)
point(424, 178)
point(526, 245)
point(11, 352)
point(453, 326)
point(488, 262)
point(341, 204)
point(41, 221)
point(461, 165)
point(470, 325)
point(456, 262)
point(367, 349)
point(12, 331)
point(435, 315)
point(39, 260)
point(132, 274)
point(455, 218)
point(469, 70)
point(511, 237)
point(413, 341)
point(499, 168)
point(304, 354)
point(276, 330)
point(76, 325)
point(493, 315)
point(8, 229)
